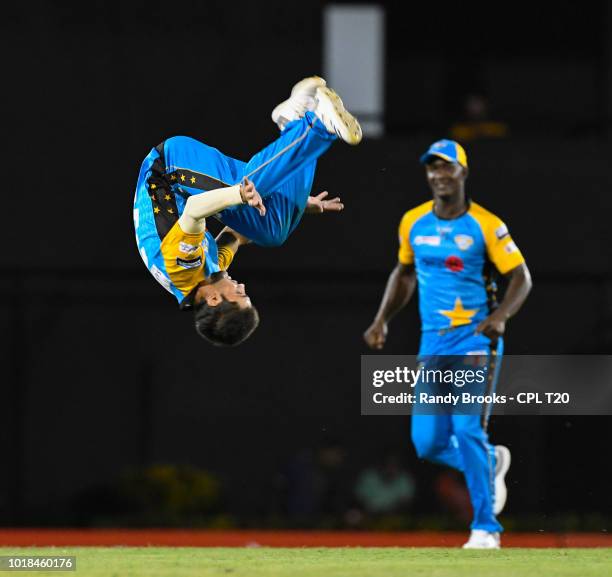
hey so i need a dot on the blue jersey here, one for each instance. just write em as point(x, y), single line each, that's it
point(452, 259)
point(179, 261)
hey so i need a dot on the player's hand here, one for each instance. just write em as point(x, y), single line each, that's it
point(319, 204)
point(494, 326)
point(376, 335)
point(250, 196)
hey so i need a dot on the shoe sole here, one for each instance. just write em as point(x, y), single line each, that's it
point(500, 478)
point(352, 129)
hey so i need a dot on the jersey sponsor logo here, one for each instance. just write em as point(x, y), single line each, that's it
point(454, 263)
point(464, 241)
point(188, 248)
point(511, 247)
point(428, 240)
point(161, 278)
point(194, 263)
point(501, 231)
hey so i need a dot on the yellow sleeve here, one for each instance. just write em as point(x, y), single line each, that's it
point(226, 256)
point(183, 257)
point(405, 254)
point(501, 249)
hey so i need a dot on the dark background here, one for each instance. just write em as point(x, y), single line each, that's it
point(102, 375)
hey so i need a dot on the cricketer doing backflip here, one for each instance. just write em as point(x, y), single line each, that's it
point(183, 181)
point(450, 247)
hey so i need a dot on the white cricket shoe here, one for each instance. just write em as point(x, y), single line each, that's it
point(502, 464)
point(302, 99)
point(480, 539)
point(336, 119)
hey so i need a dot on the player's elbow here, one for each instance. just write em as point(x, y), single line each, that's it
point(523, 276)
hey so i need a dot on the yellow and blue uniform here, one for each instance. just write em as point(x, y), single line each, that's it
point(282, 172)
point(455, 262)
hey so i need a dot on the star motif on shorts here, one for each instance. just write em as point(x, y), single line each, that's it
point(182, 178)
point(170, 211)
point(167, 197)
point(192, 179)
point(153, 186)
point(156, 210)
point(458, 315)
point(173, 177)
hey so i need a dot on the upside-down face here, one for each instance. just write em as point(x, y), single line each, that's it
point(219, 287)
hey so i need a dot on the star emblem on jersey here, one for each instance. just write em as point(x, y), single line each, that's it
point(459, 316)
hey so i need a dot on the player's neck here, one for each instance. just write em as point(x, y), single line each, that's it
point(450, 207)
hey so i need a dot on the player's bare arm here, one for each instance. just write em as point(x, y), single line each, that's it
point(319, 204)
point(398, 292)
point(229, 238)
point(201, 206)
point(519, 287)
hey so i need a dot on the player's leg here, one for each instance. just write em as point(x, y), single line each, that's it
point(433, 440)
point(300, 144)
point(478, 457)
point(192, 167)
point(477, 453)
point(196, 167)
point(283, 171)
point(432, 435)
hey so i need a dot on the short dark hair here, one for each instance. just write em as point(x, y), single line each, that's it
point(225, 324)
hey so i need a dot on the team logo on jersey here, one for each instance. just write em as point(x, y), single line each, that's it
point(428, 240)
point(464, 241)
point(511, 247)
point(195, 263)
point(188, 248)
point(501, 231)
point(454, 263)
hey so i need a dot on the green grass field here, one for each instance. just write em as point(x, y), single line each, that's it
point(328, 562)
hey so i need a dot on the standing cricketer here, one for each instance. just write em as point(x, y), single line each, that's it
point(450, 247)
point(183, 181)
